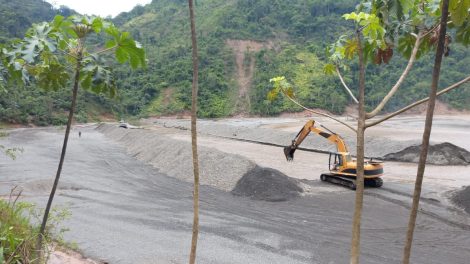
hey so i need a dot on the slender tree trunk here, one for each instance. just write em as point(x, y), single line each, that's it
point(356, 227)
point(62, 156)
point(192, 256)
point(426, 133)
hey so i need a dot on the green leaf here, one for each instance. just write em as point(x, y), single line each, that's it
point(463, 33)
point(132, 51)
point(97, 24)
point(110, 43)
point(52, 76)
point(329, 69)
point(112, 31)
point(98, 79)
point(405, 5)
point(272, 95)
point(57, 21)
point(121, 55)
point(350, 48)
point(459, 11)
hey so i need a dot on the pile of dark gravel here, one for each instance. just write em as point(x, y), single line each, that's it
point(462, 198)
point(440, 154)
point(268, 185)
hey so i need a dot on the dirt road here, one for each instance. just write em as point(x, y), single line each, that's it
point(127, 212)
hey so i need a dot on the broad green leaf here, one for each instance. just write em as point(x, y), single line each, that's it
point(110, 43)
point(112, 31)
point(121, 55)
point(459, 11)
point(52, 76)
point(130, 50)
point(463, 33)
point(272, 95)
point(329, 69)
point(350, 48)
point(97, 24)
point(350, 16)
point(98, 79)
point(57, 21)
point(86, 80)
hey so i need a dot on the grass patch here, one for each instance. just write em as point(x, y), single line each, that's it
point(18, 234)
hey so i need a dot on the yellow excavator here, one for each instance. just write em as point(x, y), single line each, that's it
point(342, 167)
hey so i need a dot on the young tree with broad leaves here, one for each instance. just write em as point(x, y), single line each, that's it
point(382, 27)
point(56, 54)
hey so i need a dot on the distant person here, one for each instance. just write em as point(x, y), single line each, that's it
point(79, 133)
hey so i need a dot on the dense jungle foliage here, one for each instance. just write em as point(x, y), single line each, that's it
point(297, 33)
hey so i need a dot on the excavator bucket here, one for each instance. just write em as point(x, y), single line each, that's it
point(289, 152)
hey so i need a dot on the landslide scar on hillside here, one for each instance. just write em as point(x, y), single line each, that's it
point(245, 68)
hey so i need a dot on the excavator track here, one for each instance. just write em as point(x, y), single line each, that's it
point(349, 182)
point(339, 180)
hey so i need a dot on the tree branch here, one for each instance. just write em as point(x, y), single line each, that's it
point(318, 113)
point(406, 108)
point(345, 85)
point(400, 80)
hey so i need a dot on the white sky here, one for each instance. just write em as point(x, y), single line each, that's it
point(101, 8)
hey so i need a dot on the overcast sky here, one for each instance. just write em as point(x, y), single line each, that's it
point(102, 8)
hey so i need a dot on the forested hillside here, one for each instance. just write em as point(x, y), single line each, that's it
point(280, 38)
point(243, 43)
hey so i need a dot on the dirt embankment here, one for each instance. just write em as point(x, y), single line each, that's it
point(218, 169)
point(439, 154)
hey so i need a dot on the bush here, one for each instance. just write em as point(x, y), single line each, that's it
point(17, 235)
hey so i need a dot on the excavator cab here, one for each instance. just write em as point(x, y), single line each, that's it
point(335, 162)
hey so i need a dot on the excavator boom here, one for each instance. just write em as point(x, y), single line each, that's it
point(305, 131)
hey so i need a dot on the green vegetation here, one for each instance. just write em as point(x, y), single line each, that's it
point(298, 33)
point(17, 235)
point(28, 104)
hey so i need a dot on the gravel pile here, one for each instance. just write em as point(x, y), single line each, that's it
point(174, 157)
point(268, 185)
point(462, 199)
point(440, 154)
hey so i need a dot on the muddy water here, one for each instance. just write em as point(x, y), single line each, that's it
point(127, 212)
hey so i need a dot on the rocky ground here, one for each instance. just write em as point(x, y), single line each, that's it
point(129, 193)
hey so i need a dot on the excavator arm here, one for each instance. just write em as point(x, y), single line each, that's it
point(305, 131)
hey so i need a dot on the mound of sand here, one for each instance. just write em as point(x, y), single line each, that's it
point(440, 154)
point(268, 185)
point(462, 199)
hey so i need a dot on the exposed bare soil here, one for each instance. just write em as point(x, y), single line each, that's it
point(244, 75)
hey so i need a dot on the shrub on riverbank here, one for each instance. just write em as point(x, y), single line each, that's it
point(17, 234)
